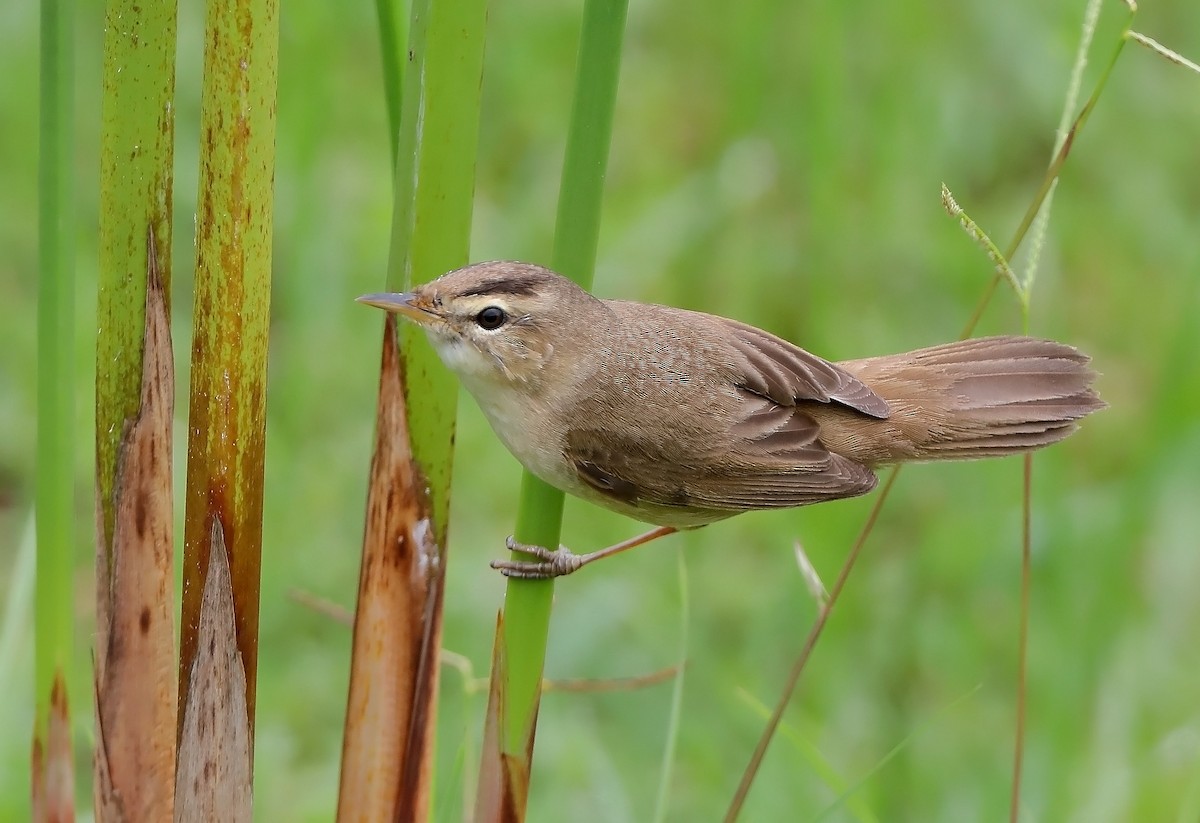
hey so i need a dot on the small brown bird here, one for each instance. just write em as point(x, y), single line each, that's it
point(679, 418)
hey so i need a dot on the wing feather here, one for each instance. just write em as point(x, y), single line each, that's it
point(783, 464)
point(785, 373)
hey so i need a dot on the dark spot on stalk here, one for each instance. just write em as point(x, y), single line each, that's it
point(139, 515)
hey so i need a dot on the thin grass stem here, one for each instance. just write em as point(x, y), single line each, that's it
point(1162, 51)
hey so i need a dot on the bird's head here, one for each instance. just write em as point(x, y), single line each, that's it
point(497, 322)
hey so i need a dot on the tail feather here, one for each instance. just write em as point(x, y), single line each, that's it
point(997, 444)
point(980, 349)
point(1034, 412)
point(981, 397)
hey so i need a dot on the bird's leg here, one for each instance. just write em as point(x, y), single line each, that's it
point(564, 561)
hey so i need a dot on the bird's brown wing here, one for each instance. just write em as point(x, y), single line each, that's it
point(766, 455)
point(787, 374)
point(775, 462)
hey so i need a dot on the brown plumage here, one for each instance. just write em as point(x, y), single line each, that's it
point(983, 397)
point(680, 418)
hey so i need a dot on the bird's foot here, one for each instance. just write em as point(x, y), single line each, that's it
point(547, 565)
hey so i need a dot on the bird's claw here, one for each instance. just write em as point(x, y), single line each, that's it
point(547, 565)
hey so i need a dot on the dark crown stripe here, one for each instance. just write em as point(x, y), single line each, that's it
point(505, 285)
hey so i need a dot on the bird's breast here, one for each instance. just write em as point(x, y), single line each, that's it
point(527, 426)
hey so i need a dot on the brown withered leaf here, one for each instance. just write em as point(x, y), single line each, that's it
point(214, 747)
point(386, 752)
point(135, 666)
point(53, 767)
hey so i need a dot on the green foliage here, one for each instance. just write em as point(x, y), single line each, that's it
point(779, 163)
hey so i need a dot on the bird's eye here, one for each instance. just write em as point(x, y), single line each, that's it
point(491, 318)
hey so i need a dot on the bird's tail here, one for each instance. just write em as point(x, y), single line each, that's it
point(983, 397)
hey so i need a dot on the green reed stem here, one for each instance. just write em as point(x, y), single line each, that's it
point(55, 511)
point(539, 516)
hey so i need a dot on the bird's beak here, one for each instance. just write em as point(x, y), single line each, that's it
point(410, 304)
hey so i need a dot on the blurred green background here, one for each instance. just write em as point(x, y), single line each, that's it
point(778, 162)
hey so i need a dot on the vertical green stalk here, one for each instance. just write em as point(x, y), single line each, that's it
point(227, 417)
point(56, 380)
point(393, 31)
point(136, 160)
point(539, 516)
point(431, 225)
point(135, 689)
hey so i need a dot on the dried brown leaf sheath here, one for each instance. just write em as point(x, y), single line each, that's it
point(386, 768)
point(53, 767)
point(135, 667)
point(214, 747)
